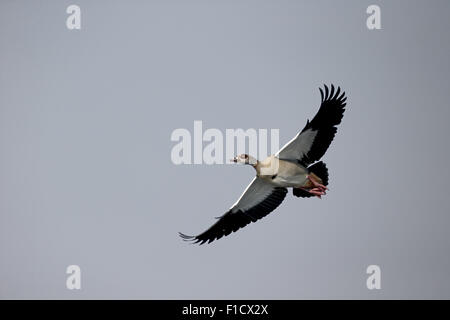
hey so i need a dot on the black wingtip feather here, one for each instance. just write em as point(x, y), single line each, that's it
point(187, 238)
point(337, 93)
point(326, 120)
point(184, 236)
point(233, 221)
point(331, 93)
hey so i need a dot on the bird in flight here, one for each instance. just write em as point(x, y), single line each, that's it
point(295, 166)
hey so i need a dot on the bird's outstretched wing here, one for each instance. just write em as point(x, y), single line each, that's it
point(310, 144)
point(258, 200)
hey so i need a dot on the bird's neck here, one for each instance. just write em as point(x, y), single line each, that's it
point(261, 166)
point(266, 167)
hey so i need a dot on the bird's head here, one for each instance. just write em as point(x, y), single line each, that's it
point(244, 159)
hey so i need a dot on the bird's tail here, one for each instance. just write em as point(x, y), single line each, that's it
point(320, 170)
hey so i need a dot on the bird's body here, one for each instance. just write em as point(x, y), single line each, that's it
point(295, 166)
point(282, 173)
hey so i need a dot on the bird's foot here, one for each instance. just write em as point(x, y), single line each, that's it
point(318, 192)
point(317, 184)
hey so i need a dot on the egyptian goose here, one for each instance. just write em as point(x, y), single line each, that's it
point(295, 166)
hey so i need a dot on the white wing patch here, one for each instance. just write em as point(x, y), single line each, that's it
point(298, 146)
point(254, 194)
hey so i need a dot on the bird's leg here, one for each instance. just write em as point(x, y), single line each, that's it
point(317, 192)
point(316, 183)
point(317, 189)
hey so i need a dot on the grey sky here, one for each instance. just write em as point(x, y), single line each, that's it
point(85, 171)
